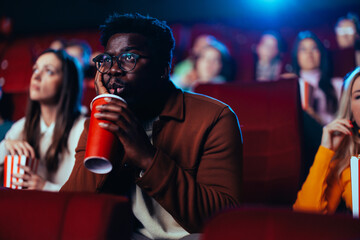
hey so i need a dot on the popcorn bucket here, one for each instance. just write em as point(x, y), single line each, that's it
point(354, 171)
point(11, 166)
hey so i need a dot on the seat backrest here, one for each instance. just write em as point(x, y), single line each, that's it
point(269, 117)
point(343, 61)
point(49, 215)
point(280, 224)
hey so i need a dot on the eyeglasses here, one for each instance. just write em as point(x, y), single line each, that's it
point(126, 61)
point(345, 31)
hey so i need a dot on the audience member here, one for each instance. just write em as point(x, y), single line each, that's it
point(52, 126)
point(212, 65)
point(329, 178)
point(319, 91)
point(268, 63)
point(80, 50)
point(58, 44)
point(182, 152)
point(183, 68)
point(347, 31)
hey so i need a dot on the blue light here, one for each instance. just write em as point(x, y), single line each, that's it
point(269, 6)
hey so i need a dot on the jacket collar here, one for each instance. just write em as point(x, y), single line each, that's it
point(174, 107)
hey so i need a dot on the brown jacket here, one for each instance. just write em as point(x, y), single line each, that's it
point(197, 169)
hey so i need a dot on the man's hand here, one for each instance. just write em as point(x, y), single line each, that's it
point(99, 84)
point(138, 149)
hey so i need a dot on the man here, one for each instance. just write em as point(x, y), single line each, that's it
point(347, 31)
point(181, 155)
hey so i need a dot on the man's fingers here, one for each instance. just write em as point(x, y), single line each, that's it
point(99, 85)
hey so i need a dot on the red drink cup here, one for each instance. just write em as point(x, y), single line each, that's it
point(100, 142)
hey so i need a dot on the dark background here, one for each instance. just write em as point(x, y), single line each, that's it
point(38, 16)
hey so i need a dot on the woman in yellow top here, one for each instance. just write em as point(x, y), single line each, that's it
point(329, 177)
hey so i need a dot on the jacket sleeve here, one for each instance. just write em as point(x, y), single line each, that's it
point(81, 179)
point(315, 194)
point(346, 187)
point(191, 198)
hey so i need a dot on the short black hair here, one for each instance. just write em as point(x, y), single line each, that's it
point(158, 33)
point(352, 17)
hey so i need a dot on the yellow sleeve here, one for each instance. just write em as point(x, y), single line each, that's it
point(315, 195)
point(346, 187)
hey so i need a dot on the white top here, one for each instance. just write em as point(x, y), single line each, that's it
point(157, 222)
point(55, 180)
point(312, 77)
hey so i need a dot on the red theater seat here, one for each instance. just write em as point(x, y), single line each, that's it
point(48, 215)
point(269, 116)
point(19, 102)
point(343, 61)
point(280, 224)
point(16, 66)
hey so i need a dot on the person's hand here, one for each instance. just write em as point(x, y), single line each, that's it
point(334, 133)
point(31, 180)
point(99, 84)
point(138, 149)
point(19, 147)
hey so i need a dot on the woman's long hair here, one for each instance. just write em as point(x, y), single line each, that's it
point(350, 144)
point(325, 69)
point(67, 111)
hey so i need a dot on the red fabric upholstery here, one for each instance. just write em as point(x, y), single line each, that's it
point(49, 215)
point(343, 61)
point(16, 66)
point(269, 116)
point(19, 101)
point(88, 94)
point(280, 224)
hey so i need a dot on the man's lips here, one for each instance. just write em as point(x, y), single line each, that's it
point(115, 87)
point(116, 90)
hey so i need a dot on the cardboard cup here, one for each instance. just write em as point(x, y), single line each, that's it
point(11, 165)
point(354, 171)
point(100, 142)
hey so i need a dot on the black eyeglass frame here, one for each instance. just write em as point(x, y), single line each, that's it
point(135, 55)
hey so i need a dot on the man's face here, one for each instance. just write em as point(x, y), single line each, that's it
point(139, 84)
point(346, 33)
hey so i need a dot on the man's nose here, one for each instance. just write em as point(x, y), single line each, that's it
point(116, 70)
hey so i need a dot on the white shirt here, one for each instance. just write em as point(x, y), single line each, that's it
point(312, 77)
point(55, 180)
point(157, 222)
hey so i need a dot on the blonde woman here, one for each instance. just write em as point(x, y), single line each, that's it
point(329, 178)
